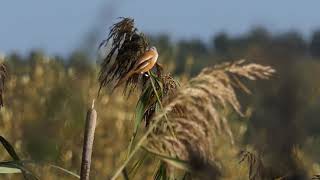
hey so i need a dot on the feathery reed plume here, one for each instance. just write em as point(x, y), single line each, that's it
point(194, 110)
point(127, 45)
point(258, 171)
point(3, 75)
point(202, 169)
point(165, 86)
point(256, 167)
point(131, 61)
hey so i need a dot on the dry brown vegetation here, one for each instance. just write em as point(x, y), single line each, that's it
point(192, 113)
point(160, 129)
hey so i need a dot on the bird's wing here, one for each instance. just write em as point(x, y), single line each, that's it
point(141, 66)
point(146, 56)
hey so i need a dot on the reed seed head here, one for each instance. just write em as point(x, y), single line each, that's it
point(195, 110)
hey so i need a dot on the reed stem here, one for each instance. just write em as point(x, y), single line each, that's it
point(90, 126)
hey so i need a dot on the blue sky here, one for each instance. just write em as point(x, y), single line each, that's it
point(60, 26)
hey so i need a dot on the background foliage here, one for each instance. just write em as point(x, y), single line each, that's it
point(46, 99)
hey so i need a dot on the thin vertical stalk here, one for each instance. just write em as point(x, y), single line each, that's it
point(90, 127)
point(143, 138)
point(136, 148)
point(161, 106)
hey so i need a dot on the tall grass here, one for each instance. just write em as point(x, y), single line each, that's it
point(177, 127)
point(181, 121)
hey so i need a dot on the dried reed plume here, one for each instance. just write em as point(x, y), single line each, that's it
point(258, 171)
point(195, 110)
point(256, 167)
point(165, 86)
point(127, 45)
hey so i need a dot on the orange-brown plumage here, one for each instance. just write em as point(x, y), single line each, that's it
point(144, 64)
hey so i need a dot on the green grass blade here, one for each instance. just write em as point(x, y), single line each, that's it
point(139, 115)
point(49, 165)
point(9, 170)
point(64, 170)
point(15, 166)
point(137, 165)
point(180, 164)
point(140, 109)
point(161, 173)
point(9, 148)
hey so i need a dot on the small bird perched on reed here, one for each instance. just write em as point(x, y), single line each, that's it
point(144, 64)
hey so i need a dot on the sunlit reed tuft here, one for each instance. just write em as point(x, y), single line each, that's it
point(195, 110)
point(123, 46)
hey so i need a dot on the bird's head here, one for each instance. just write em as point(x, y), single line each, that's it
point(153, 48)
